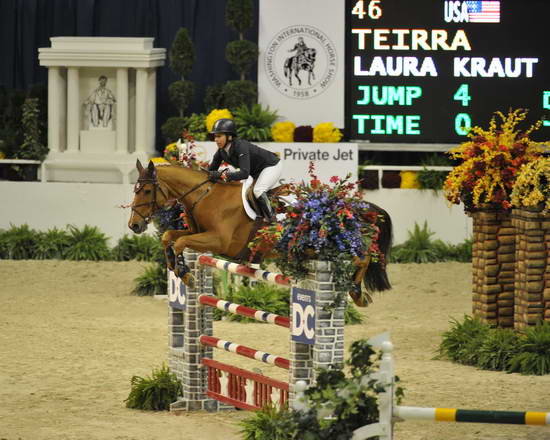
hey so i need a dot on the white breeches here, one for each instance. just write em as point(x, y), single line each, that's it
point(268, 178)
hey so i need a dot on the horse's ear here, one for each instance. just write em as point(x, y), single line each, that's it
point(139, 166)
point(151, 168)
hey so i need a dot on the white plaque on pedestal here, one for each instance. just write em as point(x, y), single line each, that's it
point(97, 141)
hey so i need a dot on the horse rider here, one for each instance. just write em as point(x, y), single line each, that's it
point(300, 47)
point(249, 160)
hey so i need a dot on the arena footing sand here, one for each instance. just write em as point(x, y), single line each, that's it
point(72, 336)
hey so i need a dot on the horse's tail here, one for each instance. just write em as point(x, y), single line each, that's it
point(376, 277)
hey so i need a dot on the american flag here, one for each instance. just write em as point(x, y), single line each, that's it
point(484, 11)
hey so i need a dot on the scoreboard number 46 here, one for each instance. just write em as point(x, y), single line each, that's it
point(374, 10)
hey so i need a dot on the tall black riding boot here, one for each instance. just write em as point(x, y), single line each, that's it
point(265, 207)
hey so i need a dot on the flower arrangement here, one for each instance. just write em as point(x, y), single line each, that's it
point(283, 131)
point(532, 187)
point(327, 222)
point(490, 162)
point(216, 114)
point(184, 154)
point(326, 132)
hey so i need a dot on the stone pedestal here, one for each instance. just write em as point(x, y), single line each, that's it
point(101, 107)
point(493, 262)
point(532, 273)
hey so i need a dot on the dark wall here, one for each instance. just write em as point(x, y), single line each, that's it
point(26, 25)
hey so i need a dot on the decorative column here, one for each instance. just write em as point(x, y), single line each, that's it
point(73, 110)
point(141, 110)
point(122, 110)
point(151, 108)
point(493, 263)
point(56, 109)
point(186, 352)
point(328, 348)
point(532, 286)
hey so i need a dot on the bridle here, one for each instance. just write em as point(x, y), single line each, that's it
point(140, 184)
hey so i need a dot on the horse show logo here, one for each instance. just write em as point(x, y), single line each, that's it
point(300, 62)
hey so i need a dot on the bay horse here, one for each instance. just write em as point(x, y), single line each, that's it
point(219, 224)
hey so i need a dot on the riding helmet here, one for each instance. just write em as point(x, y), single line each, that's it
point(224, 125)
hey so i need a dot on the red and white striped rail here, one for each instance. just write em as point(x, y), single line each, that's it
point(243, 350)
point(240, 269)
point(249, 312)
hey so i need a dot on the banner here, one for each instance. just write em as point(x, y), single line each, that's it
point(329, 159)
point(301, 62)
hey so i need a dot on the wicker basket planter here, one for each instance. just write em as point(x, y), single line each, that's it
point(532, 273)
point(493, 261)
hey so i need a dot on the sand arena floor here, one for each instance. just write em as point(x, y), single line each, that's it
point(72, 336)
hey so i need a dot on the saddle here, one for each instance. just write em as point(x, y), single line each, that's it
point(273, 194)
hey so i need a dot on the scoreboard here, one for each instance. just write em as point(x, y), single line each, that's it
point(424, 71)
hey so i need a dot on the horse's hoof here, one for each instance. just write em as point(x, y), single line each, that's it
point(358, 298)
point(188, 280)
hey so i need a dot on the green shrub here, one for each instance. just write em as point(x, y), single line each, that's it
point(88, 243)
point(154, 393)
point(420, 248)
point(138, 247)
point(214, 97)
point(431, 179)
point(261, 296)
point(352, 315)
point(52, 244)
point(3, 244)
point(196, 126)
point(239, 93)
point(32, 147)
point(254, 122)
point(497, 348)
point(242, 55)
point(417, 249)
point(153, 281)
point(461, 343)
point(533, 356)
point(271, 423)
point(181, 94)
point(20, 242)
point(173, 128)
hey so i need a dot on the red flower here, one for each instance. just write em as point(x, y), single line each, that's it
point(334, 179)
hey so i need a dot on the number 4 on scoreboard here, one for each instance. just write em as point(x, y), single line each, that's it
point(374, 10)
point(461, 94)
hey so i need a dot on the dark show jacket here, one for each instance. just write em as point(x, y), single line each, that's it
point(248, 158)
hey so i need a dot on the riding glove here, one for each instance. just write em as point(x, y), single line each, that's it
point(214, 176)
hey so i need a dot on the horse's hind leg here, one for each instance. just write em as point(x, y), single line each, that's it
point(356, 294)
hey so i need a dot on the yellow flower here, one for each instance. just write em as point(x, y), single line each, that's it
point(532, 187)
point(216, 114)
point(159, 160)
point(283, 131)
point(326, 132)
point(2, 155)
point(409, 180)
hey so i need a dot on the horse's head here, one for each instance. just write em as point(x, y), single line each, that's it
point(148, 198)
point(310, 54)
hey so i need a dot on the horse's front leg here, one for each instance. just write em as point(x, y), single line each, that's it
point(356, 294)
point(167, 240)
point(204, 242)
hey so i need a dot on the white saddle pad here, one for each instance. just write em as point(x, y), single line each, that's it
point(248, 209)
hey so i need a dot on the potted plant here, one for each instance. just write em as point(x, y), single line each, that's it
point(483, 182)
point(531, 219)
